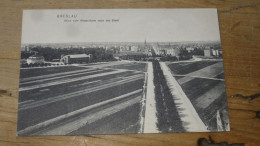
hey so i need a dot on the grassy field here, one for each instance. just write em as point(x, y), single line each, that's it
point(48, 102)
point(188, 67)
point(24, 73)
point(209, 114)
point(52, 91)
point(124, 121)
point(220, 76)
point(131, 66)
point(197, 87)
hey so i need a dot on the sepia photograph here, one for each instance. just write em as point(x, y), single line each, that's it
point(121, 71)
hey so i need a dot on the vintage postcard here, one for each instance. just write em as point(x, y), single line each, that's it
point(121, 71)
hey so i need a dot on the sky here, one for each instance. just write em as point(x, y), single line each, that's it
point(134, 25)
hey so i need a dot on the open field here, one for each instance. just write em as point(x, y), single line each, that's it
point(197, 86)
point(31, 72)
point(203, 83)
point(77, 97)
point(131, 66)
point(129, 123)
point(188, 67)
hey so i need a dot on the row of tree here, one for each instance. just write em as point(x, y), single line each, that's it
point(50, 54)
point(25, 65)
point(140, 57)
point(167, 115)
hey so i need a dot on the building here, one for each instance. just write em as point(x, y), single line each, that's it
point(35, 59)
point(76, 58)
point(150, 52)
point(167, 50)
point(189, 49)
point(217, 52)
point(207, 52)
point(135, 48)
point(173, 51)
